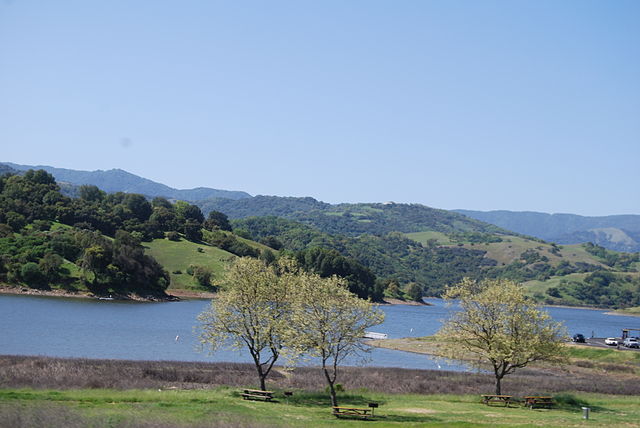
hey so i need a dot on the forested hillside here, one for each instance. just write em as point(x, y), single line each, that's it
point(100, 242)
point(432, 260)
point(123, 243)
point(351, 219)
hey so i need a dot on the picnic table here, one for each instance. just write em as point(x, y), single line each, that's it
point(538, 401)
point(352, 411)
point(257, 394)
point(495, 398)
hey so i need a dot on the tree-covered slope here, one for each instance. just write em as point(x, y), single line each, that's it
point(434, 260)
point(117, 180)
point(123, 244)
point(351, 219)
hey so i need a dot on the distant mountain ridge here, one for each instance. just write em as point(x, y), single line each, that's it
point(615, 232)
point(118, 180)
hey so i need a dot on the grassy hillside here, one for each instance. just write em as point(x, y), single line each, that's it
point(511, 247)
point(425, 237)
point(616, 232)
point(178, 256)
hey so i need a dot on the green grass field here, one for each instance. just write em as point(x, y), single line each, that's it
point(223, 407)
point(424, 237)
point(179, 255)
point(542, 286)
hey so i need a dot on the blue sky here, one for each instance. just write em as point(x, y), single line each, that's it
point(519, 105)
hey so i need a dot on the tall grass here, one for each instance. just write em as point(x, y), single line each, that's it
point(60, 416)
point(74, 373)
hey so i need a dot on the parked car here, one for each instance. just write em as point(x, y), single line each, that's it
point(631, 342)
point(579, 338)
point(611, 341)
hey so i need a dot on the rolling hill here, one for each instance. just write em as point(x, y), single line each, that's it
point(117, 180)
point(351, 219)
point(398, 246)
point(615, 232)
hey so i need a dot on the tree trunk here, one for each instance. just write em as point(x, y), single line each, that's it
point(263, 383)
point(498, 389)
point(332, 389)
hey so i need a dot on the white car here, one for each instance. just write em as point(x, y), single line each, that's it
point(631, 342)
point(611, 341)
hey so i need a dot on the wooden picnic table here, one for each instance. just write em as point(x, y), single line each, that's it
point(495, 398)
point(532, 401)
point(352, 411)
point(257, 394)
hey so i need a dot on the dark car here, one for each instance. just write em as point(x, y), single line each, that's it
point(579, 338)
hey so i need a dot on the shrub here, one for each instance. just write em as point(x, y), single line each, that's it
point(569, 400)
point(201, 274)
point(173, 236)
point(31, 274)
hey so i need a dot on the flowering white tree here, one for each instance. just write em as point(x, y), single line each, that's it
point(329, 322)
point(497, 324)
point(253, 312)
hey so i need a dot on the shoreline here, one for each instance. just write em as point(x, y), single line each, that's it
point(24, 291)
point(172, 295)
point(622, 313)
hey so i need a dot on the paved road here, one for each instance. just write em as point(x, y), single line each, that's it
point(598, 342)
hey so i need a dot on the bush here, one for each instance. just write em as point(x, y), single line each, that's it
point(415, 292)
point(173, 236)
point(201, 274)
point(569, 400)
point(31, 274)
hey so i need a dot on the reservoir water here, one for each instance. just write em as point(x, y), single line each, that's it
point(89, 328)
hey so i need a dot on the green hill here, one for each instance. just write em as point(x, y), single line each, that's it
point(49, 240)
point(176, 257)
point(351, 219)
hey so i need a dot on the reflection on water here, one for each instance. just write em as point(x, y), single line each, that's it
point(165, 331)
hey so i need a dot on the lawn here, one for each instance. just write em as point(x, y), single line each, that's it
point(222, 406)
point(45, 391)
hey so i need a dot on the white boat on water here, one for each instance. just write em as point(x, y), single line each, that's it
point(374, 335)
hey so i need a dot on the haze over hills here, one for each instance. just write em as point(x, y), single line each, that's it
point(6, 169)
point(117, 180)
point(615, 232)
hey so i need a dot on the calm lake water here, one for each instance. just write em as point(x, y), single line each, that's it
point(147, 331)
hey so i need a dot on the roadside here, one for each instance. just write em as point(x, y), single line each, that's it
point(592, 360)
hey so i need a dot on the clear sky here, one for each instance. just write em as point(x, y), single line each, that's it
point(518, 105)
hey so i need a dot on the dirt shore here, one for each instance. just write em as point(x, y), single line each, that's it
point(173, 294)
point(25, 291)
